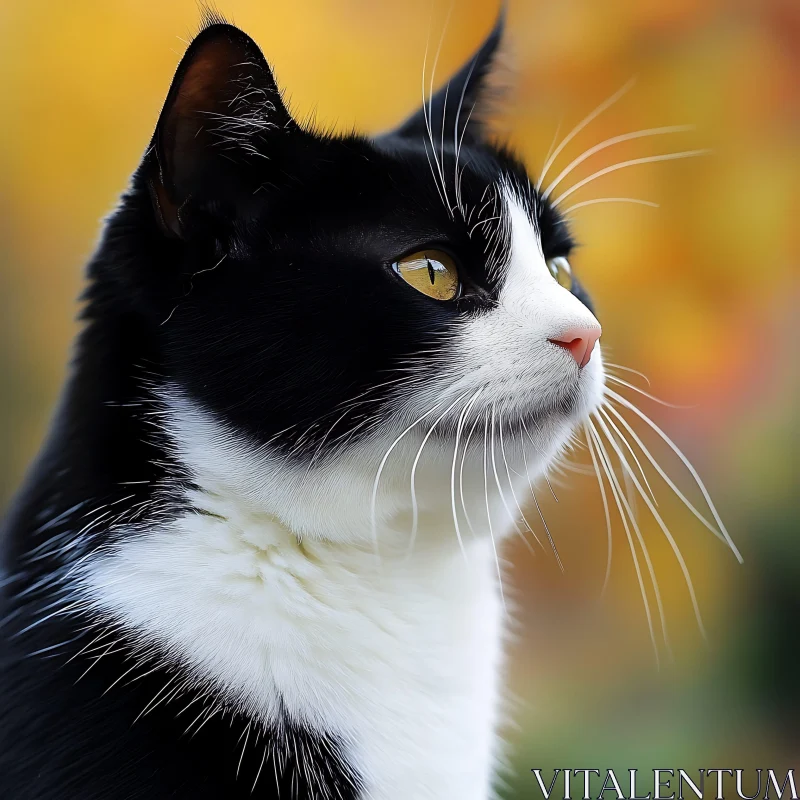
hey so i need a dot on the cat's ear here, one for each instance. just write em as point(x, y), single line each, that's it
point(462, 106)
point(221, 110)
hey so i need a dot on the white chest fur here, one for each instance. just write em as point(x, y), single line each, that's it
point(398, 657)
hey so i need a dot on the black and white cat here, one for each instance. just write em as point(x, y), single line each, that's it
point(258, 553)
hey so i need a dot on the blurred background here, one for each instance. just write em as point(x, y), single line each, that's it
point(700, 294)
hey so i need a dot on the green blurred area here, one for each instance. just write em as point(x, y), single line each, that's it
point(700, 294)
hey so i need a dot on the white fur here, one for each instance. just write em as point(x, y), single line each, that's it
point(292, 589)
point(399, 660)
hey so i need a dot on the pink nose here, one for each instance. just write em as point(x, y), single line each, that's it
point(580, 342)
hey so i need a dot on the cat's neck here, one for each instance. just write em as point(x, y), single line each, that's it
point(370, 649)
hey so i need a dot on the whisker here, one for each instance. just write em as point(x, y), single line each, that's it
point(663, 474)
point(488, 508)
point(414, 505)
point(599, 200)
point(539, 450)
point(550, 150)
point(444, 117)
point(642, 392)
point(482, 222)
point(461, 475)
point(457, 140)
point(723, 531)
point(539, 510)
point(459, 174)
point(440, 166)
point(630, 493)
point(605, 508)
point(580, 126)
point(511, 483)
point(625, 137)
point(617, 497)
point(380, 472)
point(630, 450)
point(462, 417)
point(644, 377)
point(425, 112)
point(624, 164)
point(673, 544)
point(628, 473)
point(500, 489)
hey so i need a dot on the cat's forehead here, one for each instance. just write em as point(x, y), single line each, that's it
point(412, 193)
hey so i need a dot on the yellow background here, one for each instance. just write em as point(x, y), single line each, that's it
point(700, 294)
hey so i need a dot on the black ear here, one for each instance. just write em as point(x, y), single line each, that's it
point(221, 109)
point(461, 106)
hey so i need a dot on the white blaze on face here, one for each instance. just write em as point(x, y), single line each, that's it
point(530, 294)
point(508, 348)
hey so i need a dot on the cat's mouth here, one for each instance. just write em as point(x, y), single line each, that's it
point(514, 419)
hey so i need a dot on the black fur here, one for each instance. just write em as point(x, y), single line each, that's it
point(249, 264)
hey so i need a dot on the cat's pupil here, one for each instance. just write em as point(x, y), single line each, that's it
point(431, 273)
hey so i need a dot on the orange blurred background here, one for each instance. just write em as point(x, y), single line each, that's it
point(699, 294)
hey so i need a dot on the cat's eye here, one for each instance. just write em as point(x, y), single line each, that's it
point(560, 269)
point(431, 272)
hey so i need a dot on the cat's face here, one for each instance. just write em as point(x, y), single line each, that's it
point(335, 293)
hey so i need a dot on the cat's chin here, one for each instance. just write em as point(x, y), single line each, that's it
point(543, 411)
point(327, 489)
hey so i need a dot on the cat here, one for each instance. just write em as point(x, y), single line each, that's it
point(259, 553)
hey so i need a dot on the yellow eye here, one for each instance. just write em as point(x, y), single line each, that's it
point(561, 271)
point(431, 272)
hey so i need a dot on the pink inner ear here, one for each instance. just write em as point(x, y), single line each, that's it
point(203, 90)
point(207, 80)
point(222, 79)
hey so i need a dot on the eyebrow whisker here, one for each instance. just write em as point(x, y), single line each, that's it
point(625, 137)
point(631, 163)
point(581, 125)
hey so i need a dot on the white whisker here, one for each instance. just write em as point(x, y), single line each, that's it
point(624, 164)
point(500, 491)
point(458, 138)
point(414, 505)
point(429, 118)
point(425, 114)
point(630, 450)
point(628, 473)
point(511, 484)
point(605, 508)
point(599, 200)
point(649, 396)
point(380, 472)
point(462, 417)
point(550, 150)
point(604, 461)
point(488, 507)
point(723, 531)
point(664, 475)
point(673, 544)
point(461, 475)
point(625, 137)
point(539, 450)
point(608, 364)
point(580, 126)
point(538, 507)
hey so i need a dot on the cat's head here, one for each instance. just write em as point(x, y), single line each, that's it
point(327, 307)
